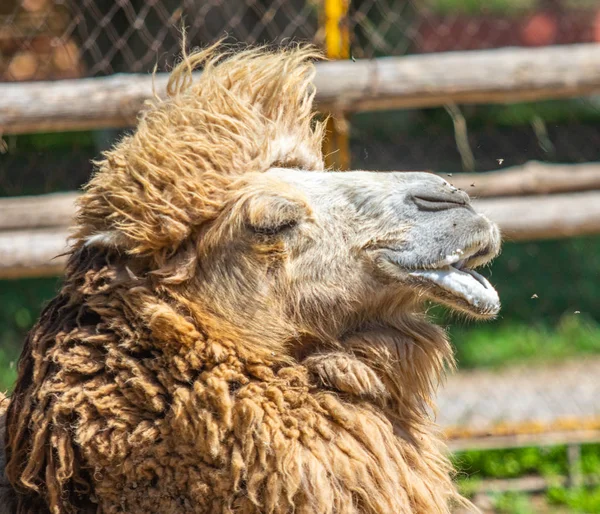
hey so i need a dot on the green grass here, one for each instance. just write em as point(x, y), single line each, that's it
point(562, 274)
point(577, 500)
point(516, 462)
point(50, 141)
point(554, 501)
point(513, 503)
point(479, 7)
point(20, 304)
point(8, 372)
point(517, 342)
point(475, 466)
point(550, 310)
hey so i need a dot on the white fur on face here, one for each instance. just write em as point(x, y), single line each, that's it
point(423, 227)
point(336, 188)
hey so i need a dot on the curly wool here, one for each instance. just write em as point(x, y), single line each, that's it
point(249, 111)
point(131, 399)
point(120, 395)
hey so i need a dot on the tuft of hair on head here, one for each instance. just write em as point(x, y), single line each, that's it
point(246, 112)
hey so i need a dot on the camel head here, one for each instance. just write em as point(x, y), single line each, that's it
point(222, 197)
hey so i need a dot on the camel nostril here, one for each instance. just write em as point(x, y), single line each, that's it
point(440, 202)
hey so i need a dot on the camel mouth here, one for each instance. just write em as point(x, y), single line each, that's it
point(453, 280)
point(459, 287)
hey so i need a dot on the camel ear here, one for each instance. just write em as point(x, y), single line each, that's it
point(270, 214)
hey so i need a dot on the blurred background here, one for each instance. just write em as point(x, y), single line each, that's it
point(523, 413)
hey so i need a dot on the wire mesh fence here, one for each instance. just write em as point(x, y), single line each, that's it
point(50, 39)
point(56, 39)
point(59, 39)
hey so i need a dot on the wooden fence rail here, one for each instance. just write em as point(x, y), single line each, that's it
point(31, 251)
point(528, 218)
point(481, 76)
point(31, 212)
point(533, 178)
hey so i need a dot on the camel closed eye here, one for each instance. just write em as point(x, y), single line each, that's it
point(270, 215)
point(274, 228)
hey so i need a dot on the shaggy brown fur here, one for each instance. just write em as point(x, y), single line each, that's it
point(141, 389)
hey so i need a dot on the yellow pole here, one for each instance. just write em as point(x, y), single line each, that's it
point(337, 46)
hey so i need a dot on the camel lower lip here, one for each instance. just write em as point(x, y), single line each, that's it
point(465, 284)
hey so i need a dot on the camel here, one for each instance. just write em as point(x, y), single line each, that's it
point(240, 330)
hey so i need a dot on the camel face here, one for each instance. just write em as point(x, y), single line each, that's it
point(351, 244)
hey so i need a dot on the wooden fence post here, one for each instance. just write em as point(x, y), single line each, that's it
point(574, 463)
point(337, 46)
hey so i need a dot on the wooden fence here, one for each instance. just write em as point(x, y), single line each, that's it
point(483, 76)
point(34, 230)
